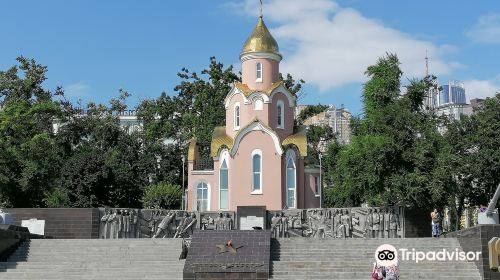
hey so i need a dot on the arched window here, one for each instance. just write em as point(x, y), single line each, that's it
point(258, 104)
point(237, 116)
point(223, 186)
point(258, 73)
point(256, 171)
point(280, 115)
point(202, 197)
point(291, 182)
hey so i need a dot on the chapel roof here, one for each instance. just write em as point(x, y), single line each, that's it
point(247, 91)
point(260, 40)
point(221, 139)
point(298, 139)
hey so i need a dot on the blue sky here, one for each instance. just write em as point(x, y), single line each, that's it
point(93, 48)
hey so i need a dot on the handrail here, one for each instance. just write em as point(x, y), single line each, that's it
point(493, 202)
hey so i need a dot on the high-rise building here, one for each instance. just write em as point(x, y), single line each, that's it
point(452, 93)
point(339, 119)
point(450, 100)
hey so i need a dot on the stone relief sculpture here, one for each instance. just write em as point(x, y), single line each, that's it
point(376, 224)
point(134, 223)
point(126, 224)
point(113, 221)
point(284, 226)
point(207, 223)
point(164, 226)
point(189, 229)
point(387, 231)
point(369, 224)
point(217, 220)
point(322, 225)
point(104, 227)
point(185, 227)
point(228, 222)
point(156, 223)
point(394, 224)
point(356, 222)
point(346, 223)
point(296, 221)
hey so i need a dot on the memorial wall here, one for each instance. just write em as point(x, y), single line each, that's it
point(112, 223)
point(358, 222)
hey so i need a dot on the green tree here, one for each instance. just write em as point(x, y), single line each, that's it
point(485, 157)
point(105, 163)
point(395, 145)
point(29, 157)
point(162, 195)
point(469, 163)
point(201, 101)
point(294, 86)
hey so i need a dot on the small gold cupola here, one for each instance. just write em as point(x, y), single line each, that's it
point(261, 41)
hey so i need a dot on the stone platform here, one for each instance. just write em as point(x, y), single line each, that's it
point(208, 258)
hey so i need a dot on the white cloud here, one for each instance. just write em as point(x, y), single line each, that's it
point(486, 30)
point(331, 46)
point(481, 88)
point(78, 90)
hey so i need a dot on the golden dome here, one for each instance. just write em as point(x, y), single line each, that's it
point(260, 40)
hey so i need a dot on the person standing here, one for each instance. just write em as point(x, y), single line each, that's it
point(436, 219)
point(392, 272)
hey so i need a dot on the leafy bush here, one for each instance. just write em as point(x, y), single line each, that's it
point(57, 198)
point(162, 195)
point(4, 202)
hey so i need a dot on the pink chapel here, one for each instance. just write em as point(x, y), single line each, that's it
point(258, 156)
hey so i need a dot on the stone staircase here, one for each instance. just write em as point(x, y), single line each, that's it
point(352, 259)
point(95, 259)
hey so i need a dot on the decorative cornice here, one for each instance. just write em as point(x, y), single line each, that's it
point(256, 55)
point(256, 125)
point(267, 94)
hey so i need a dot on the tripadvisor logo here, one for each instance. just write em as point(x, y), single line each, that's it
point(387, 255)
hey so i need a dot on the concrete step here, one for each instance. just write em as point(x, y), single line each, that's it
point(95, 259)
point(302, 258)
